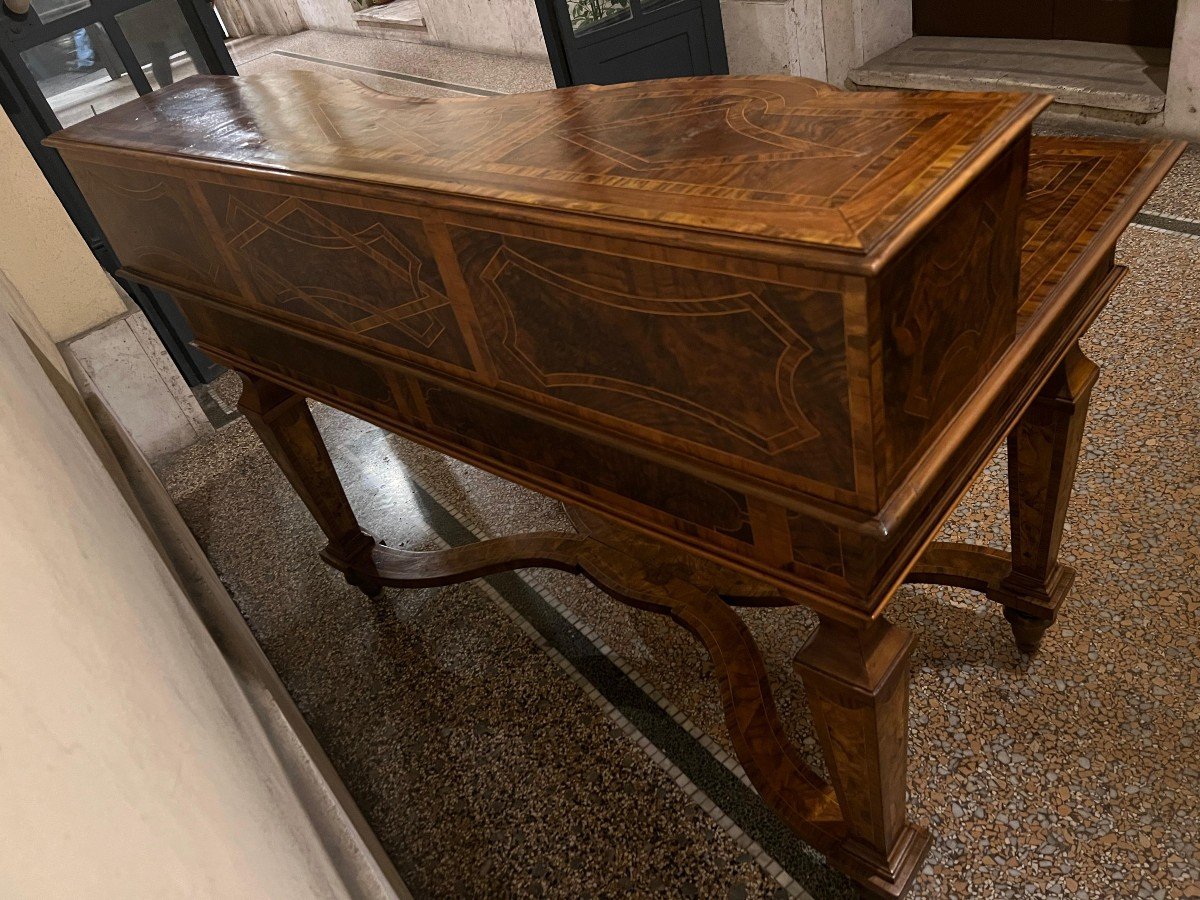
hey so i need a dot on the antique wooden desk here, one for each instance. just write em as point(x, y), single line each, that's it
point(759, 334)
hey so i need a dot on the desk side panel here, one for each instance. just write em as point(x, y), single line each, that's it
point(947, 311)
point(678, 506)
point(478, 337)
point(745, 370)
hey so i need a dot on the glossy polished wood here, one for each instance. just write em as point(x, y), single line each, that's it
point(786, 159)
point(1042, 454)
point(1043, 450)
point(521, 300)
point(760, 333)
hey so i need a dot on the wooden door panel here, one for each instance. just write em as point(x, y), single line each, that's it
point(1142, 23)
point(1029, 19)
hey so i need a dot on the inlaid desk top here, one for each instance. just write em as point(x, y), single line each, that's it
point(759, 333)
point(1081, 193)
point(785, 158)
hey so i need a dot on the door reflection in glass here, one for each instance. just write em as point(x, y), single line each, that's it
point(49, 10)
point(588, 15)
point(162, 41)
point(79, 74)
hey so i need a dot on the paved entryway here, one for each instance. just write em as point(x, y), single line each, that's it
point(416, 70)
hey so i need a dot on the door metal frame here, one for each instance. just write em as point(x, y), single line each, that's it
point(33, 118)
point(556, 47)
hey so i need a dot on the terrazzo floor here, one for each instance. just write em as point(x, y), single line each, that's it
point(524, 735)
point(418, 70)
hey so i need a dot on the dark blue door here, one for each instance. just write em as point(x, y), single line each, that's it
point(610, 41)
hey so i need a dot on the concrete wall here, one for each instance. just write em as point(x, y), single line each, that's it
point(278, 17)
point(492, 26)
point(132, 764)
point(755, 36)
point(243, 18)
point(1183, 82)
point(43, 254)
point(882, 24)
point(66, 293)
point(821, 39)
point(328, 15)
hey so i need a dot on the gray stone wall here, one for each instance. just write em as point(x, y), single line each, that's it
point(821, 39)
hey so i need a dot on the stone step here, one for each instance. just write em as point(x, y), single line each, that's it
point(386, 33)
point(1126, 80)
point(405, 14)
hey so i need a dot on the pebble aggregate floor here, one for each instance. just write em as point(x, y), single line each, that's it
point(489, 764)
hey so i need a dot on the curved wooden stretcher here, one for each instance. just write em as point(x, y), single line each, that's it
point(760, 335)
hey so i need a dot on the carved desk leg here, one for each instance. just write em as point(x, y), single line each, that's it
point(287, 430)
point(857, 684)
point(1042, 453)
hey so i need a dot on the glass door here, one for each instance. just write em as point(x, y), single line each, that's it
point(609, 41)
point(63, 61)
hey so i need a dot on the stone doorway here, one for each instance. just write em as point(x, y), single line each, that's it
point(1082, 56)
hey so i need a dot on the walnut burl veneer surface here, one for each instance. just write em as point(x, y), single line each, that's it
point(775, 323)
point(785, 158)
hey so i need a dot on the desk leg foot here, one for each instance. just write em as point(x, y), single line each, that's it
point(1027, 630)
point(857, 684)
point(357, 571)
point(286, 428)
point(1043, 450)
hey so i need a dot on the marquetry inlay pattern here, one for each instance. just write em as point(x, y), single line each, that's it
point(1088, 177)
point(572, 327)
point(360, 272)
point(162, 228)
point(773, 156)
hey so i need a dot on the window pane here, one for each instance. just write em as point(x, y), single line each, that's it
point(588, 15)
point(162, 42)
point(79, 74)
point(49, 10)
